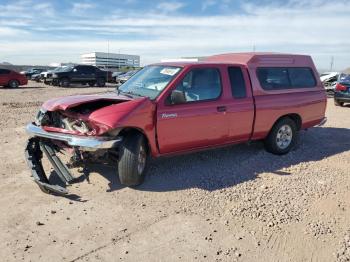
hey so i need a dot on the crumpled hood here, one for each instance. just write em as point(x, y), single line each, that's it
point(105, 111)
point(64, 103)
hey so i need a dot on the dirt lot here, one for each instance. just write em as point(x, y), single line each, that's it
point(234, 204)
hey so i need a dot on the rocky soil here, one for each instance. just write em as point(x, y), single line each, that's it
point(234, 204)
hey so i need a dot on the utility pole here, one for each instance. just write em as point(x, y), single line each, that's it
point(107, 60)
point(332, 63)
point(119, 59)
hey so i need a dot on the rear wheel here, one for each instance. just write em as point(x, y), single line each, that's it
point(13, 84)
point(337, 103)
point(101, 82)
point(92, 83)
point(64, 82)
point(132, 160)
point(282, 137)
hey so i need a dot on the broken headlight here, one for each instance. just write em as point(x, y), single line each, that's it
point(41, 118)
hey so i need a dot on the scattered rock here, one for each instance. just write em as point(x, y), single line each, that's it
point(27, 247)
point(343, 253)
point(318, 229)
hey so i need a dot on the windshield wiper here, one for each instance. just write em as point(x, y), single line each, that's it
point(128, 94)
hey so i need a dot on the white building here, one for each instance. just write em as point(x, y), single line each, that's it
point(110, 60)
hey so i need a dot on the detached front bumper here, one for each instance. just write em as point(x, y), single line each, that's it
point(41, 142)
point(83, 142)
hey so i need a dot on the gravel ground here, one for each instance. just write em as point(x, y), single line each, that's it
point(234, 204)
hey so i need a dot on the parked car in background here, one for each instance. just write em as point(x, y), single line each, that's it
point(329, 80)
point(36, 77)
point(78, 74)
point(115, 75)
point(176, 108)
point(9, 78)
point(121, 79)
point(32, 71)
point(47, 74)
point(108, 75)
point(342, 90)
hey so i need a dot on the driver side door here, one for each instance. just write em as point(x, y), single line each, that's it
point(200, 120)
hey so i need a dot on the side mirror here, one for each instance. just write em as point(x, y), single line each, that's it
point(177, 97)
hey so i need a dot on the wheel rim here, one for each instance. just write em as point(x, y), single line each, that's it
point(141, 160)
point(13, 84)
point(284, 136)
point(64, 83)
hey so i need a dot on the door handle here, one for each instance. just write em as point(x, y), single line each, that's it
point(221, 108)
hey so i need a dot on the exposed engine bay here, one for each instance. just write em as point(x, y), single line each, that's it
point(74, 120)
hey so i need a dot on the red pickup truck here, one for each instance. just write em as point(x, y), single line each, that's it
point(176, 108)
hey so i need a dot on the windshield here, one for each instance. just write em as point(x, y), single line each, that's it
point(57, 69)
point(344, 78)
point(150, 81)
point(65, 69)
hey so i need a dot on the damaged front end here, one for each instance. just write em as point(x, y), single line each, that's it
point(56, 131)
point(34, 154)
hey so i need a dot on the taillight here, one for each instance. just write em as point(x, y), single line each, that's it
point(340, 87)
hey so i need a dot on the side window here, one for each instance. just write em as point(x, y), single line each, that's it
point(4, 71)
point(273, 78)
point(301, 77)
point(276, 78)
point(89, 69)
point(238, 86)
point(201, 84)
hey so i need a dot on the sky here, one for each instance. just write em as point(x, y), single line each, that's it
point(43, 32)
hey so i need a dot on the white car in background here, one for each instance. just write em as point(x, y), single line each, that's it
point(46, 74)
point(329, 80)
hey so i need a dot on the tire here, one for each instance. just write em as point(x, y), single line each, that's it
point(13, 84)
point(133, 160)
point(92, 83)
point(101, 82)
point(282, 137)
point(64, 82)
point(337, 103)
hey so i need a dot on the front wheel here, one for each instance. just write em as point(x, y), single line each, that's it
point(282, 137)
point(337, 103)
point(64, 82)
point(133, 160)
point(13, 84)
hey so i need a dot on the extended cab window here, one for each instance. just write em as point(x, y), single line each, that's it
point(276, 78)
point(237, 82)
point(83, 69)
point(201, 84)
point(301, 77)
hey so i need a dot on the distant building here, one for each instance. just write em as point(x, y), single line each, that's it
point(110, 60)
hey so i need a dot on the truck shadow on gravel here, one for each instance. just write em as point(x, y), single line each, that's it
point(227, 167)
